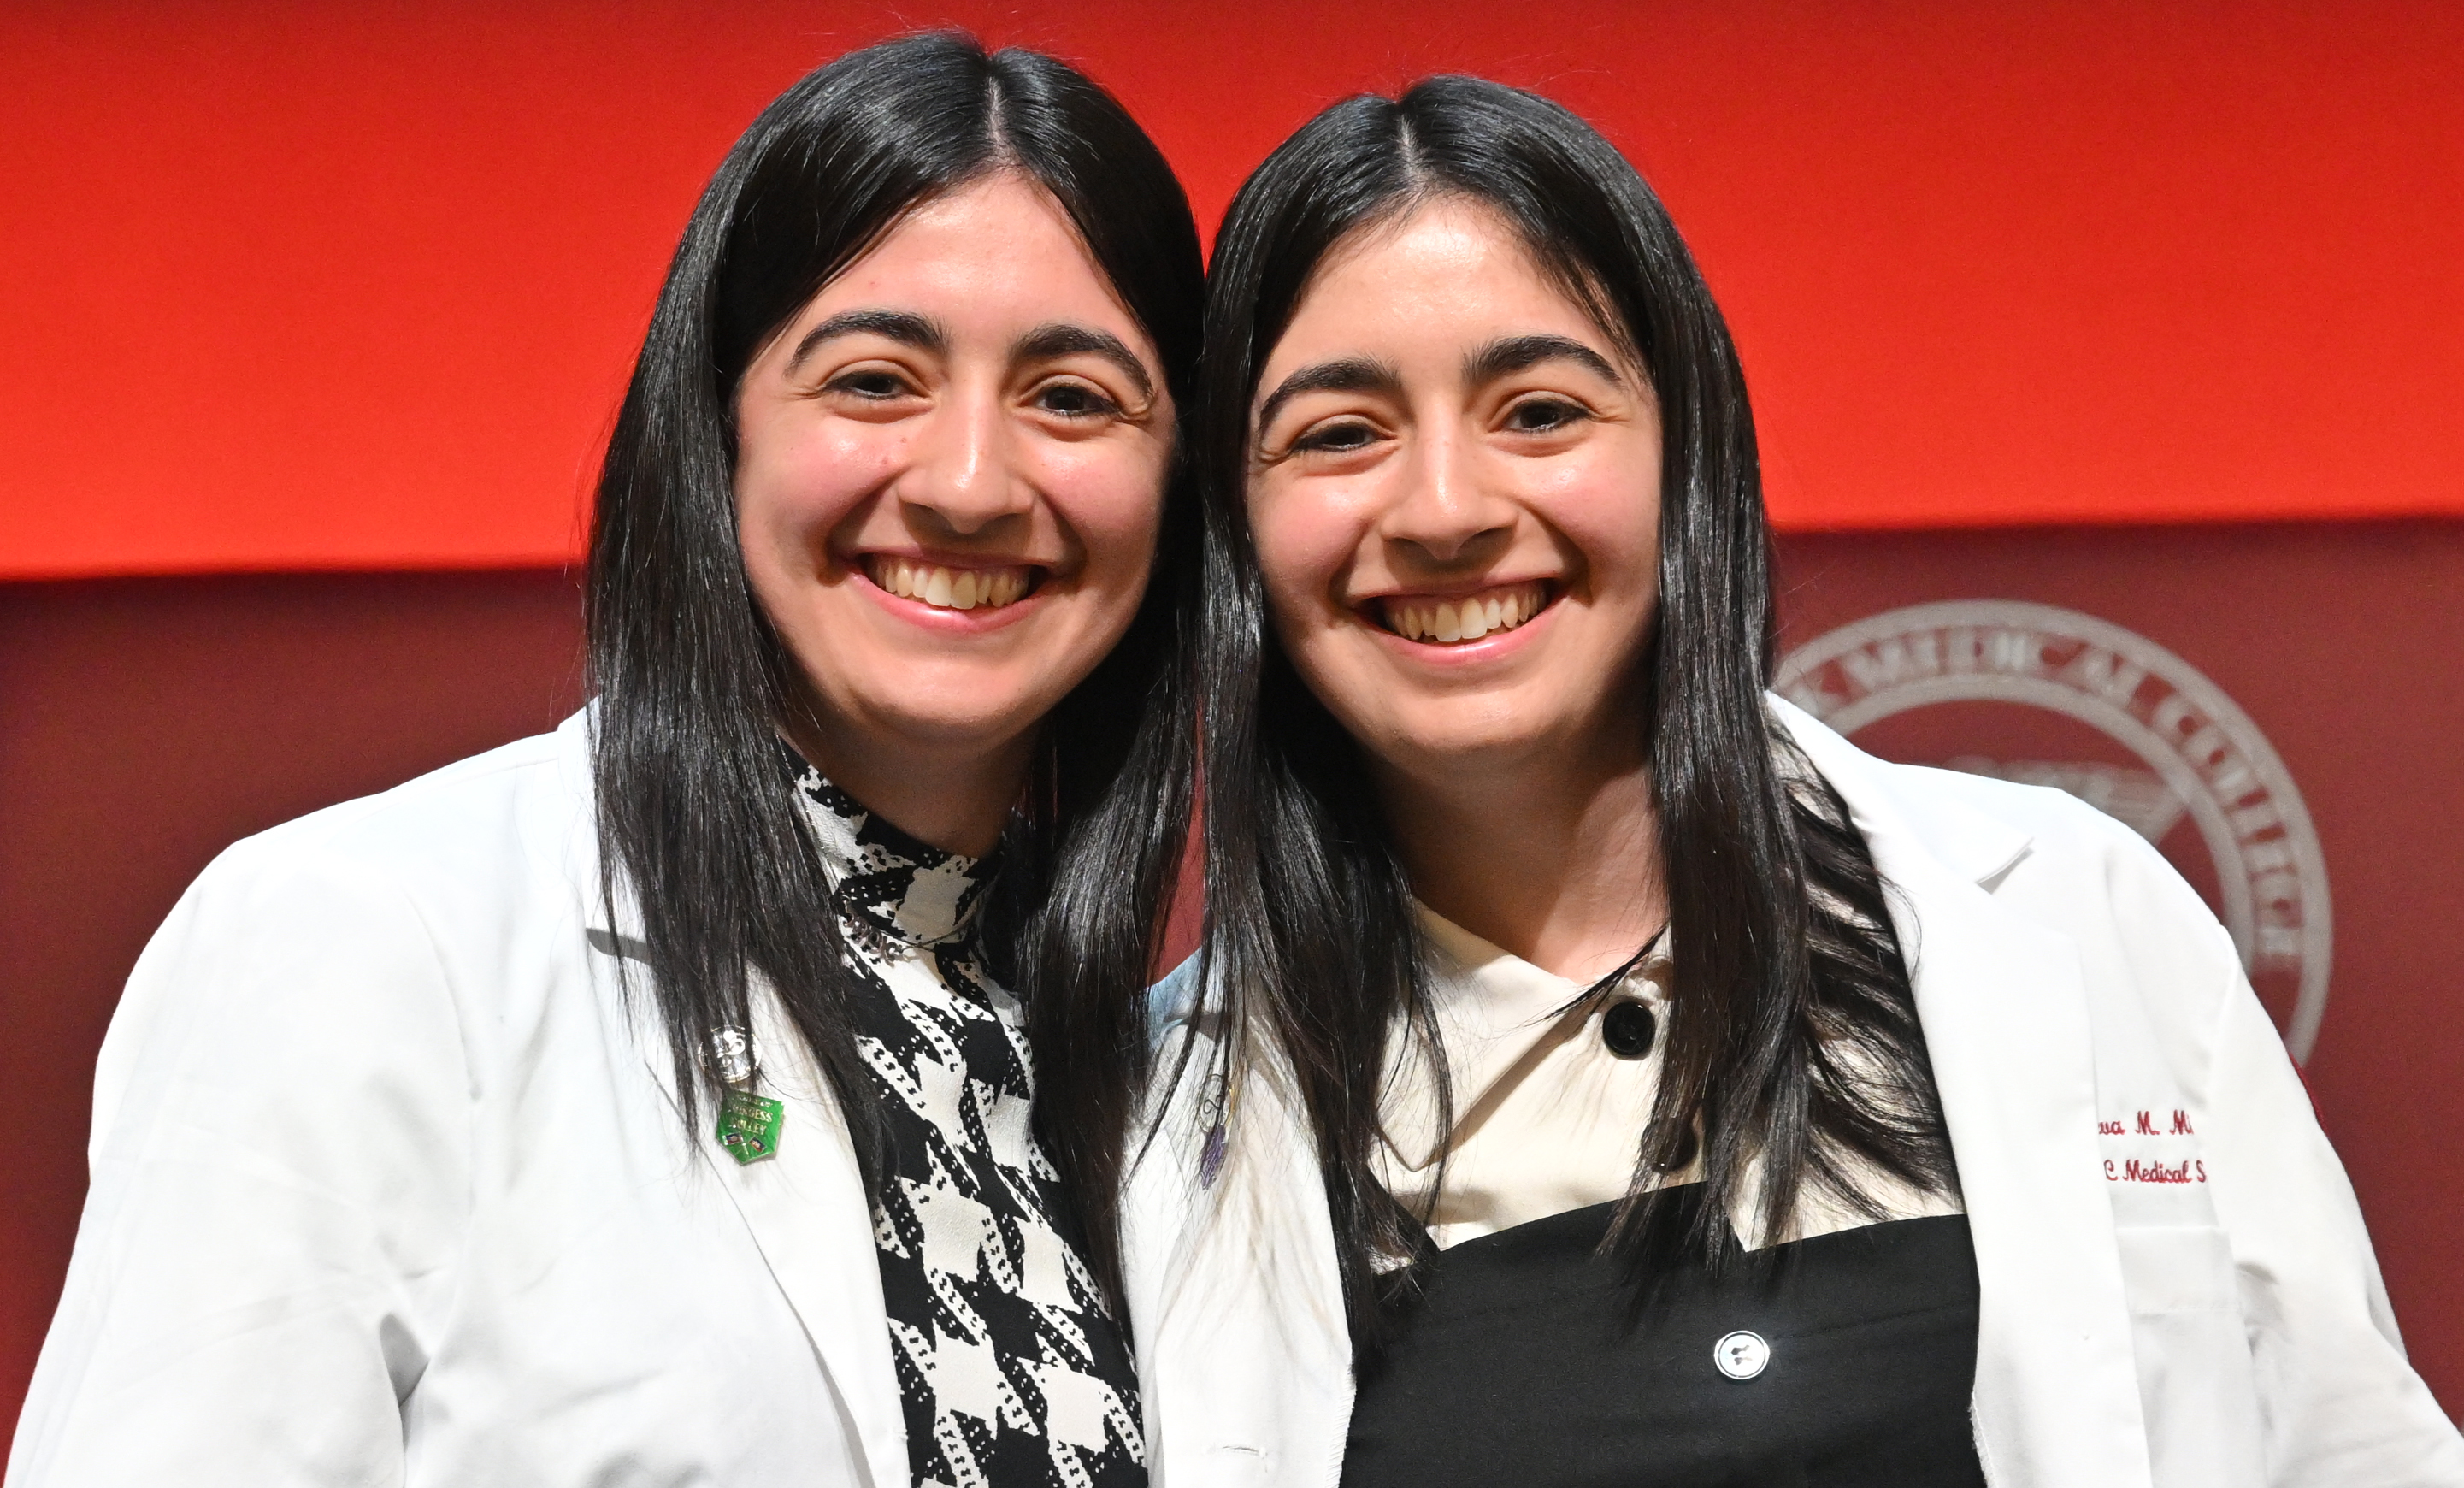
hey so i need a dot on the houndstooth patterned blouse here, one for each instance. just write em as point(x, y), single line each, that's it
point(1010, 1368)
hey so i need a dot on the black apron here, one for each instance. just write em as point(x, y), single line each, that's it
point(1524, 1358)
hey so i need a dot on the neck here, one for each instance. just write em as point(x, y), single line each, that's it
point(1553, 855)
point(956, 796)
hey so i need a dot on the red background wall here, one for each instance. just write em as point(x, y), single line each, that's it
point(299, 287)
point(319, 285)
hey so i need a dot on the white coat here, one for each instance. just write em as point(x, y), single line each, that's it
point(2176, 1288)
point(388, 1187)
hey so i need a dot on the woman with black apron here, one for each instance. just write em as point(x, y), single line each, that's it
point(1597, 1071)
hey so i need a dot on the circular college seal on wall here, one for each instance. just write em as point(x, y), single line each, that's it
point(2055, 698)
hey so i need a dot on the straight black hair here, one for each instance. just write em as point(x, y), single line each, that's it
point(1791, 1034)
point(695, 824)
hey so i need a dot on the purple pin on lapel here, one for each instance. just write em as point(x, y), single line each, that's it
point(1210, 1158)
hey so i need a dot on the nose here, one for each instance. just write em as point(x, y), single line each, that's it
point(1445, 508)
point(963, 477)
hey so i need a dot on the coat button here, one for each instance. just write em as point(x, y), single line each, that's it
point(1741, 1355)
point(1628, 1029)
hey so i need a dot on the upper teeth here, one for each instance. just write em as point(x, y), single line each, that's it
point(949, 588)
point(1468, 617)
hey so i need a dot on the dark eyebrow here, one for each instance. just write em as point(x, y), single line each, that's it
point(1064, 339)
point(1351, 374)
point(903, 326)
point(1515, 353)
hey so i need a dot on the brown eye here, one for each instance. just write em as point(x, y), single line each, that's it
point(1074, 400)
point(1337, 438)
point(870, 383)
point(1543, 415)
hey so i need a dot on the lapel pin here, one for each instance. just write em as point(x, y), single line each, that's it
point(748, 1126)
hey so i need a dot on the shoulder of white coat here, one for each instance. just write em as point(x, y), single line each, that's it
point(2051, 819)
point(2046, 855)
point(2092, 853)
point(1982, 826)
point(483, 823)
point(362, 931)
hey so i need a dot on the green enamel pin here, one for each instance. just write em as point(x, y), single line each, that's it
point(748, 1126)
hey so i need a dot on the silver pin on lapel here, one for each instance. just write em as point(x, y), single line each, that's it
point(731, 1055)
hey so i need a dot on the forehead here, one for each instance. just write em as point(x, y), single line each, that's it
point(998, 246)
point(1447, 271)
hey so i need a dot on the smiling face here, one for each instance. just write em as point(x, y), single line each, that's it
point(1454, 494)
point(949, 479)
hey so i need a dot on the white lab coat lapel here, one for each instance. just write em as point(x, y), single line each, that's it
point(808, 1210)
point(1235, 1299)
point(805, 1207)
point(2006, 1019)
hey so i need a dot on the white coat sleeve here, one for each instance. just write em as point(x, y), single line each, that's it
point(2338, 1404)
point(280, 1173)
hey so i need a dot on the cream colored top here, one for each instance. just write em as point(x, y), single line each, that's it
point(1547, 1118)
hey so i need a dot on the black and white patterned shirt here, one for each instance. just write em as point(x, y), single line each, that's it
point(1012, 1373)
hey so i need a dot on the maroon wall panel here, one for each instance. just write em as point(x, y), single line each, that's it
point(145, 723)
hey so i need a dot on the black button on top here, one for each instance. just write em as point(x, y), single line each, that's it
point(1628, 1029)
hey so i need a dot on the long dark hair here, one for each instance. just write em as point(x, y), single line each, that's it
point(695, 824)
point(1791, 1034)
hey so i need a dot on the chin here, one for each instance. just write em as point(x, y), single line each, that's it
point(968, 725)
point(1460, 748)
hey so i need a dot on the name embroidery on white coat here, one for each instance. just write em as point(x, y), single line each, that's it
point(2158, 1125)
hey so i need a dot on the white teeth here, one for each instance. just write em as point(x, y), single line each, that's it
point(949, 588)
point(1467, 618)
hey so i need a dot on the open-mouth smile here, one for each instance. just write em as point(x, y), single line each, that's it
point(944, 588)
point(1455, 619)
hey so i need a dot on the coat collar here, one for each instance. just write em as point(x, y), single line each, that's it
point(805, 1207)
point(2006, 1020)
point(1952, 835)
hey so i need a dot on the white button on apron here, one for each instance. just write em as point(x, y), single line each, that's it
point(1741, 1355)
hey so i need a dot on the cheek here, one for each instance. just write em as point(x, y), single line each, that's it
point(1110, 500)
point(1609, 512)
point(794, 484)
point(1304, 542)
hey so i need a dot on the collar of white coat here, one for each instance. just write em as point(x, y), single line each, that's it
point(2006, 1019)
point(1892, 799)
point(805, 1207)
